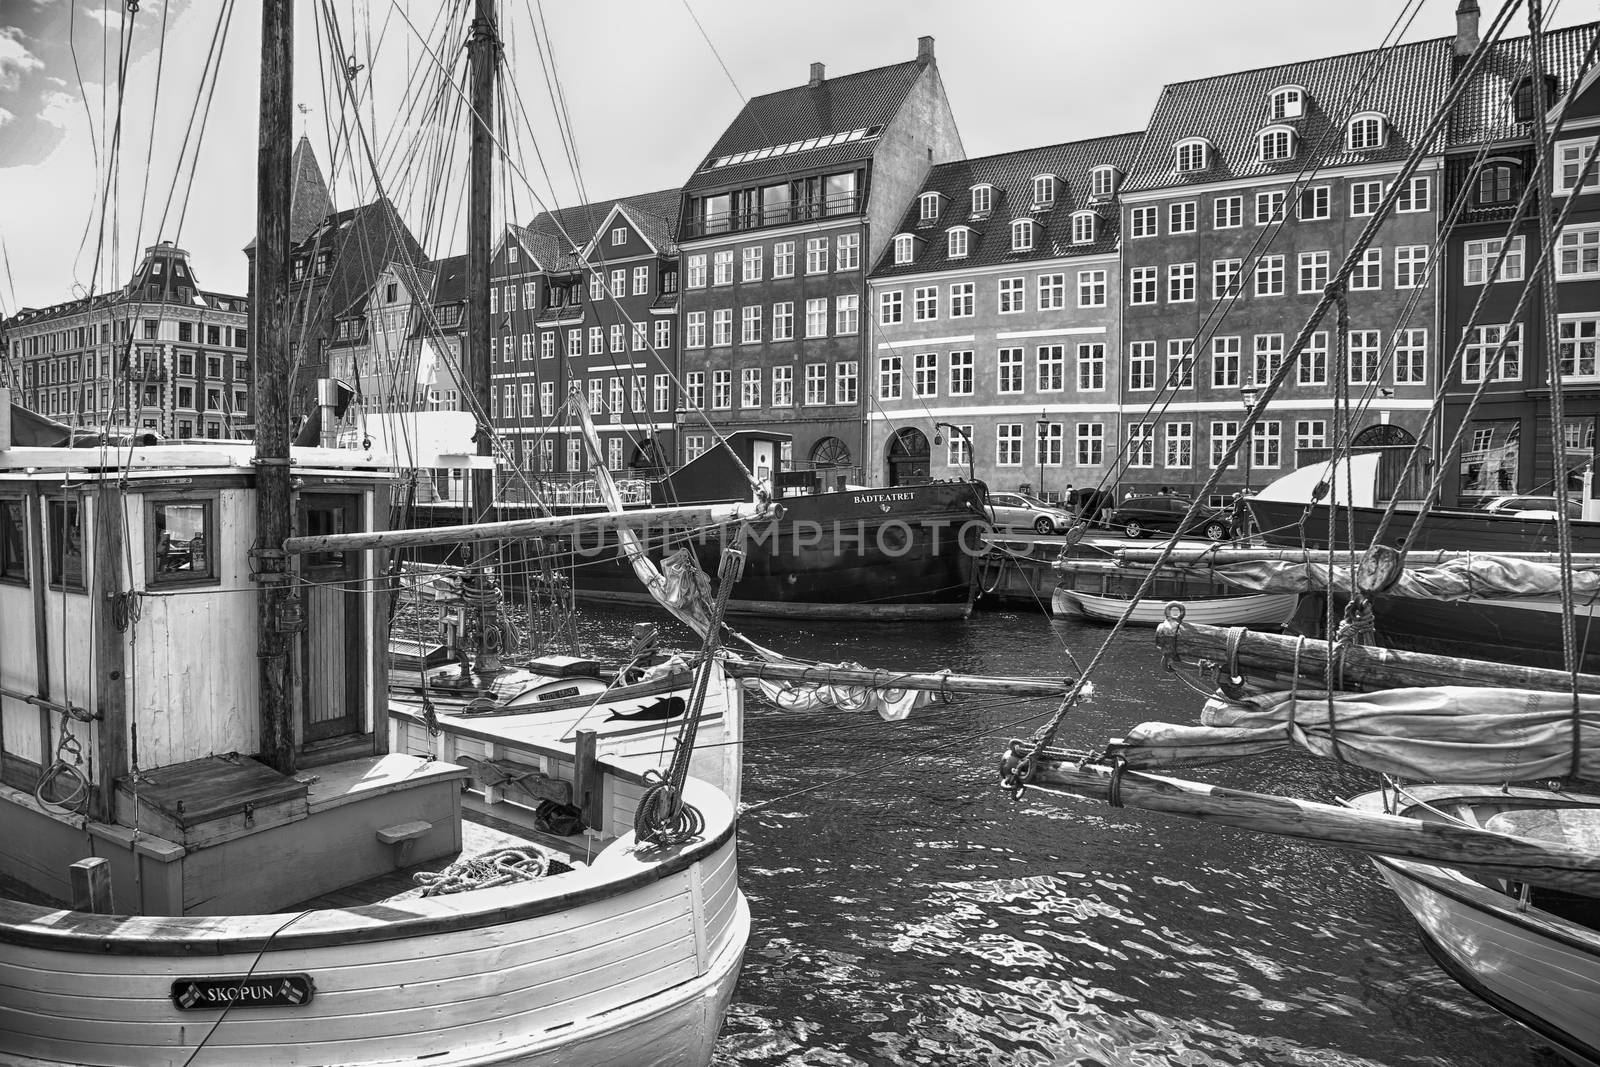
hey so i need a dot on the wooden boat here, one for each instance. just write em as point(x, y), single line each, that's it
point(1102, 590)
point(1530, 951)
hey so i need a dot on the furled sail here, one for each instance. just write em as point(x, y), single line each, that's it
point(1455, 733)
point(1474, 576)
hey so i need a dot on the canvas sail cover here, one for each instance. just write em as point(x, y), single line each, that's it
point(1447, 733)
point(1468, 577)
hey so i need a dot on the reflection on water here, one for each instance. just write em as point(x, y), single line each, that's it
point(906, 910)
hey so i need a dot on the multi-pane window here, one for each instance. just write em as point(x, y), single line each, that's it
point(1266, 444)
point(597, 340)
point(956, 242)
point(1091, 366)
point(1141, 366)
point(1091, 288)
point(1009, 370)
point(1275, 144)
point(619, 337)
point(575, 338)
point(1225, 362)
point(1141, 444)
point(619, 286)
point(1364, 197)
point(722, 267)
point(752, 264)
point(1269, 207)
point(547, 399)
point(1050, 444)
point(783, 320)
point(891, 308)
point(846, 314)
point(1313, 271)
point(1044, 190)
point(641, 336)
point(816, 383)
point(783, 259)
point(722, 326)
point(1022, 235)
point(1103, 181)
point(1180, 363)
point(1579, 337)
point(961, 373)
point(1578, 252)
point(782, 387)
point(1313, 363)
point(847, 251)
point(844, 381)
point(1479, 256)
point(1180, 283)
point(662, 393)
point(925, 374)
point(928, 207)
point(694, 446)
point(925, 303)
point(1411, 356)
point(959, 451)
point(1012, 296)
point(816, 255)
point(641, 280)
point(721, 390)
point(1368, 273)
point(547, 345)
point(750, 387)
point(1052, 292)
point(1190, 156)
point(1268, 356)
point(1142, 285)
point(750, 324)
point(1410, 263)
point(1227, 212)
point(890, 374)
point(1143, 221)
point(614, 393)
point(1571, 158)
point(1224, 278)
point(1091, 440)
point(1366, 131)
point(1179, 441)
point(982, 199)
point(597, 287)
point(1269, 276)
point(1181, 217)
point(1008, 444)
point(1085, 227)
point(1315, 203)
point(694, 389)
point(1223, 433)
point(663, 340)
point(1287, 103)
point(1415, 195)
point(1051, 368)
point(527, 400)
point(962, 300)
point(1310, 433)
point(1366, 349)
point(697, 272)
point(817, 317)
point(637, 392)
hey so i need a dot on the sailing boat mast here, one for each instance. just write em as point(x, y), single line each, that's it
point(482, 46)
point(270, 311)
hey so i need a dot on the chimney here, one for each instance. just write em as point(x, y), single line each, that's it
point(1466, 27)
point(816, 70)
point(924, 50)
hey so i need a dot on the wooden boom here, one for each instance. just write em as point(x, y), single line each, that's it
point(1469, 848)
point(874, 678)
point(1362, 668)
point(711, 515)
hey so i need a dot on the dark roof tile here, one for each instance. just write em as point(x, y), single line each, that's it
point(566, 231)
point(1486, 109)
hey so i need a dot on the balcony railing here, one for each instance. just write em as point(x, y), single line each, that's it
point(779, 215)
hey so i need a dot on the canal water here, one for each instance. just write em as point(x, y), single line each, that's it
point(907, 911)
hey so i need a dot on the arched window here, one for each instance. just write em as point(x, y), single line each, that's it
point(1044, 190)
point(1275, 143)
point(1085, 227)
point(1499, 182)
point(928, 207)
point(1191, 155)
point(1522, 96)
point(1022, 235)
point(1368, 130)
point(982, 199)
point(1286, 102)
point(904, 248)
point(1103, 181)
point(830, 452)
point(956, 242)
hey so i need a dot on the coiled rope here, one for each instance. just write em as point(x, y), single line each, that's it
point(502, 866)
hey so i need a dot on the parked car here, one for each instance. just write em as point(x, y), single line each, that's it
point(1021, 512)
point(1533, 507)
point(1140, 515)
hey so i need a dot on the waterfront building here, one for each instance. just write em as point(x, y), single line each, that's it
point(158, 355)
point(586, 296)
point(994, 312)
point(1246, 193)
point(781, 221)
point(1506, 445)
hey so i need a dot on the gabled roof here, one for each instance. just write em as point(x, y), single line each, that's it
point(450, 279)
point(1486, 109)
point(852, 102)
point(566, 231)
point(1407, 84)
point(1011, 174)
point(543, 249)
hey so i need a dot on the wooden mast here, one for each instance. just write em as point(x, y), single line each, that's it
point(270, 311)
point(482, 46)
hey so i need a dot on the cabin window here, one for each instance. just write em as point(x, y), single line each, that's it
point(180, 541)
point(65, 545)
point(14, 540)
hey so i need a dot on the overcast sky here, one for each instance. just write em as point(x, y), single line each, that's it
point(646, 94)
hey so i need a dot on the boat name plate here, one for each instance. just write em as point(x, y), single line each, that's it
point(243, 991)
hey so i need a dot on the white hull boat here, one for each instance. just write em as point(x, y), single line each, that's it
point(1267, 609)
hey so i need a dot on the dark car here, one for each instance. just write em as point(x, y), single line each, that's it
point(1140, 515)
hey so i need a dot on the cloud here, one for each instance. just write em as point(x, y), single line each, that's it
point(15, 60)
point(60, 109)
point(6, 117)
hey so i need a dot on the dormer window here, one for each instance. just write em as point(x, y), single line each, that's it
point(1191, 155)
point(982, 199)
point(1286, 102)
point(1044, 191)
point(928, 207)
point(1499, 182)
point(956, 242)
point(1368, 130)
point(1276, 143)
point(1103, 181)
point(511, 253)
point(1085, 227)
point(1022, 235)
point(905, 248)
point(1522, 101)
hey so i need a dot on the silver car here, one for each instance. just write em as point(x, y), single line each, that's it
point(1019, 512)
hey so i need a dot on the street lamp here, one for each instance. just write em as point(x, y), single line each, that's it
point(955, 430)
point(1043, 427)
point(1247, 395)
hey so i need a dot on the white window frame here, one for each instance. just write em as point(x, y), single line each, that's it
point(1367, 131)
point(1191, 155)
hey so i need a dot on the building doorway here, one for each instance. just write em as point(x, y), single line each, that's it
point(908, 457)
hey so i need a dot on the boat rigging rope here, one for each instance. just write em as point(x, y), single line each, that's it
point(662, 817)
point(76, 802)
point(502, 866)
